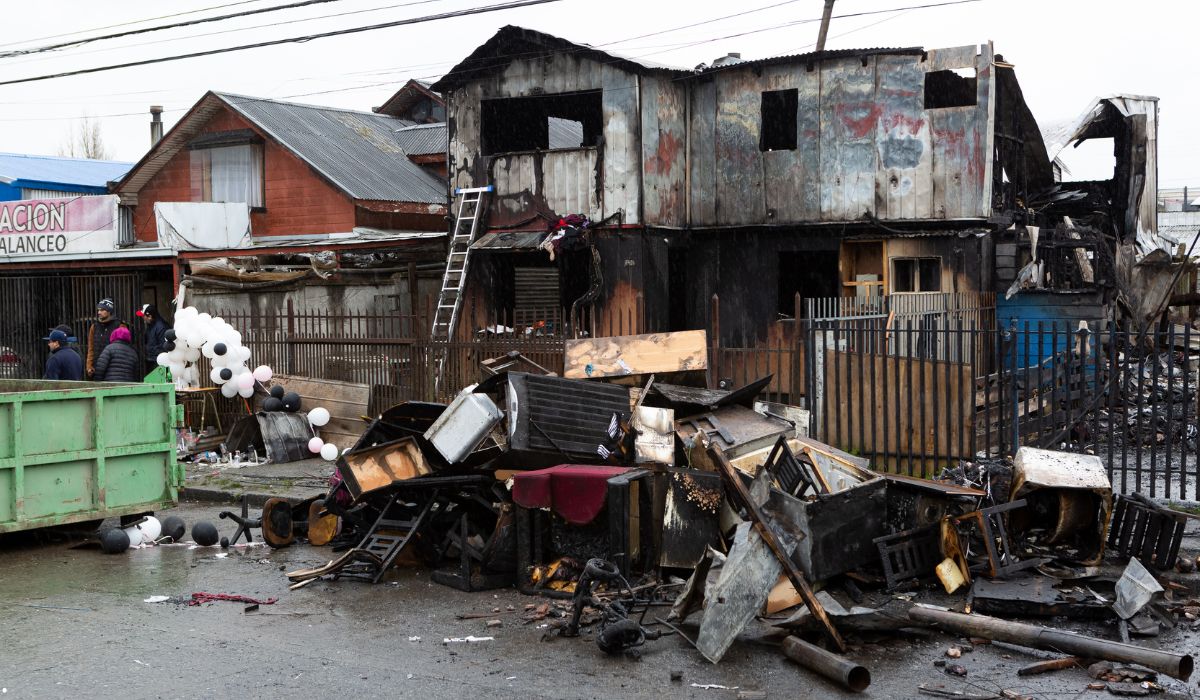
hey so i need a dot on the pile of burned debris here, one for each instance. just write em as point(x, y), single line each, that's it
point(650, 505)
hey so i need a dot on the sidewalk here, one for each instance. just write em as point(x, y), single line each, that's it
point(222, 483)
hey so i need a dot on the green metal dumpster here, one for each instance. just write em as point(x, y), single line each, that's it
point(77, 451)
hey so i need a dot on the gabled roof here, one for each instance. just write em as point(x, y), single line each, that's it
point(357, 152)
point(511, 42)
point(408, 95)
point(82, 172)
point(424, 139)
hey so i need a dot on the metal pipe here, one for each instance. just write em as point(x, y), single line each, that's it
point(1174, 665)
point(849, 674)
point(825, 16)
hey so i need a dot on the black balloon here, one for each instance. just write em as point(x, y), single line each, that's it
point(272, 404)
point(277, 391)
point(170, 334)
point(224, 543)
point(173, 527)
point(291, 402)
point(114, 541)
point(226, 374)
point(169, 345)
point(205, 533)
point(219, 349)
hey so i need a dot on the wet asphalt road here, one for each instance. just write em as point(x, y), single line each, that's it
point(75, 625)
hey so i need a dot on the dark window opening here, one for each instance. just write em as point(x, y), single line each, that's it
point(950, 88)
point(916, 275)
point(811, 274)
point(568, 120)
point(779, 120)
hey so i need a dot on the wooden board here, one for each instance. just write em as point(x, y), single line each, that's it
point(346, 403)
point(596, 358)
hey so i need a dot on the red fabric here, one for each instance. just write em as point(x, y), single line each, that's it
point(201, 598)
point(575, 492)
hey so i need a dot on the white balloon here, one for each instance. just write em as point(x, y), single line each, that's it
point(229, 390)
point(315, 445)
point(243, 352)
point(318, 416)
point(245, 392)
point(220, 361)
point(329, 452)
point(204, 318)
point(178, 355)
point(163, 359)
point(246, 381)
point(136, 536)
point(176, 370)
point(262, 373)
point(215, 376)
point(195, 339)
point(151, 529)
point(191, 355)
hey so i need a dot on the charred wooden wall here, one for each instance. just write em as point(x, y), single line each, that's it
point(597, 181)
point(866, 144)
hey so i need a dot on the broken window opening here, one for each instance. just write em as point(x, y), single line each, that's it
point(916, 275)
point(862, 268)
point(544, 122)
point(950, 88)
point(1091, 160)
point(810, 273)
point(778, 129)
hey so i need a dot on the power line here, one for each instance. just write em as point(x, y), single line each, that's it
point(289, 40)
point(127, 24)
point(162, 27)
point(223, 31)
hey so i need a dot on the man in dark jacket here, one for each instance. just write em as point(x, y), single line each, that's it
point(100, 333)
point(156, 335)
point(64, 361)
point(119, 361)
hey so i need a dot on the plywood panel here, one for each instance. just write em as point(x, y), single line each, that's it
point(703, 185)
point(905, 155)
point(898, 410)
point(346, 403)
point(594, 358)
point(621, 157)
point(741, 197)
point(663, 142)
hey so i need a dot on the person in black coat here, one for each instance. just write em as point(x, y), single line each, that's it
point(64, 361)
point(156, 335)
point(100, 334)
point(119, 361)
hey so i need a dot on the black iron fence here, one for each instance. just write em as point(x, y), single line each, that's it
point(886, 393)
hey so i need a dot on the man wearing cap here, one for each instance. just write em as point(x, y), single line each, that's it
point(156, 334)
point(64, 361)
point(100, 332)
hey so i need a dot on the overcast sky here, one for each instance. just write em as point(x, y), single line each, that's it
point(1066, 53)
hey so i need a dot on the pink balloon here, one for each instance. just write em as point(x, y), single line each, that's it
point(263, 373)
point(245, 381)
point(315, 445)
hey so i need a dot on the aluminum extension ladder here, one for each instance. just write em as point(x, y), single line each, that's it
point(454, 281)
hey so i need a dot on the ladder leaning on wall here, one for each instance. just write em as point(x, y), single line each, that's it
point(454, 281)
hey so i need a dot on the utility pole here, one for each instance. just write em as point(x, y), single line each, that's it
point(824, 25)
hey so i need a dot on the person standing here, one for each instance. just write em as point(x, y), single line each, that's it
point(100, 333)
point(156, 335)
point(64, 361)
point(118, 362)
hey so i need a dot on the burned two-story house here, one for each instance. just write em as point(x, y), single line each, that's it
point(851, 173)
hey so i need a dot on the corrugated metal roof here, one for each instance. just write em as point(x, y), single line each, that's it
point(510, 240)
point(817, 57)
point(424, 139)
point(357, 151)
point(83, 172)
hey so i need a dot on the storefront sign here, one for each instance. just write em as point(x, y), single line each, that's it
point(58, 227)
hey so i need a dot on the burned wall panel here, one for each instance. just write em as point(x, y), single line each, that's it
point(849, 113)
point(740, 192)
point(663, 158)
point(702, 180)
point(962, 140)
point(622, 163)
point(902, 182)
point(791, 191)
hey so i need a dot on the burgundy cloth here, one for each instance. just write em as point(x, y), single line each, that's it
point(575, 492)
